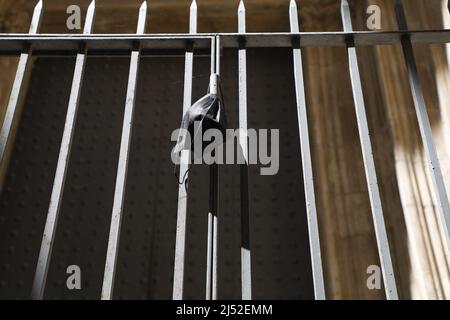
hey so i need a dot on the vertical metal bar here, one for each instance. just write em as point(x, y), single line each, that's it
point(424, 126)
point(215, 191)
point(313, 228)
point(17, 91)
point(212, 238)
point(211, 278)
point(180, 242)
point(61, 168)
point(210, 216)
point(209, 243)
point(213, 55)
point(217, 55)
point(246, 267)
point(369, 164)
point(119, 194)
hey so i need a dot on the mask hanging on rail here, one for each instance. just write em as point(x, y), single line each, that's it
point(206, 113)
point(209, 113)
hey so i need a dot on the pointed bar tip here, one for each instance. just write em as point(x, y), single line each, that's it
point(90, 14)
point(344, 5)
point(293, 4)
point(241, 6)
point(36, 17)
point(91, 5)
point(193, 17)
point(38, 5)
point(142, 19)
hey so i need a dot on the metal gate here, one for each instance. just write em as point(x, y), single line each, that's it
point(133, 162)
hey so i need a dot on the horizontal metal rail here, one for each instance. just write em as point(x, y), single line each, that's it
point(43, 44)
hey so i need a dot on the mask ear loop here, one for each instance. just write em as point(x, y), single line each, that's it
point(185, 180)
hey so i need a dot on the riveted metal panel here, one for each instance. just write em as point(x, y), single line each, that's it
point(146, 252)
point(27, 189)
point(281, 263)
point(279, 240)
point(82, 232)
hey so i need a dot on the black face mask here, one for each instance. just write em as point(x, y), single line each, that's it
point(209, 112)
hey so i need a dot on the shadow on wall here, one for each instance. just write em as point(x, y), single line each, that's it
point(429, 274)
point(415, 236)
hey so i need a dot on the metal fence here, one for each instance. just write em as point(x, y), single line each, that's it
point(142, 44)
